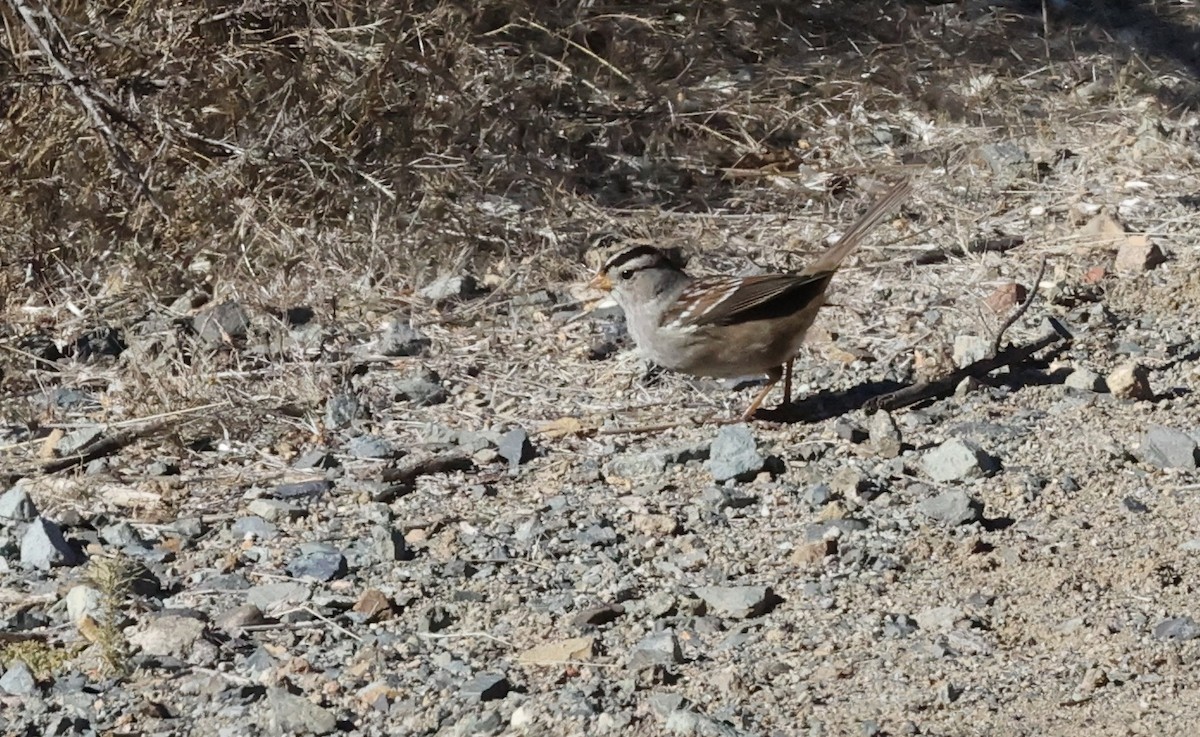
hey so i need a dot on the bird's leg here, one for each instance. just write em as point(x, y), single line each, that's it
point(787, 382)
point(773, 377)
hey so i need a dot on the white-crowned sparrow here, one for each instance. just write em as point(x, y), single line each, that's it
point(728, 326)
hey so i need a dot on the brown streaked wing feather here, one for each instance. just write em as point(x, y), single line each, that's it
point(767, 296)
point(871, 219)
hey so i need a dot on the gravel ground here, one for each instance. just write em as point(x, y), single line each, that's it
point(471, 508)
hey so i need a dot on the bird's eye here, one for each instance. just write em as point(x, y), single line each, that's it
point(627, 274)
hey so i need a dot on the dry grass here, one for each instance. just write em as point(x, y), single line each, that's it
point(340, 154)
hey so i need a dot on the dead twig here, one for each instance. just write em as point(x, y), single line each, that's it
point(1021, 309)
point(402, 478)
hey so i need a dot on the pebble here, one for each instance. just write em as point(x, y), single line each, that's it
point(954, 507)
point(293, 714)
point(275, 597)
point(1130, 380)
point(659, 648)
point(341, 410)
point(17, 506)
point(515, 447)
point(389, 544)
point(43, 546)
point(958, 460)
point(253, 528)
point(487, 687)
point(734, 454)
point(1137, 254)
point(885, 435)
point(18, 680)
point(236, 619)
point(83, 601)
point(222, 323)
point(738, 602)
point(370, 447)
point(169, 636)
point(454, 286)
point(76, 440)
point(1177, 629)
point(312, 490)
point(401, 339)
point(319, 562)
point(1086, 380)
point(1006, 297)
point(847, 430)
point(274, 510)
point(1166, 447)
point(422, 389)
point(970, 348)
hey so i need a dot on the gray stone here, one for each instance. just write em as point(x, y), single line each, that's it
point(162, 468)
point(884, 435)
point(1086, 380)
point(370, 447)
point(169, 636)
point(224, 323)
point(76, 440)
point(450, 287)
point(303, 489)
point(43, 546)
point(121, 535)
point(1177, 629)
point(738, 602)
point(17, 506)
point(316, 459)
point(958, 460)
point(939, 619)
point(515, 447)
point(274, 598)
point(83, 601)
point(291, 714)
point(659, 648)
point(954, 507)
point(734, 454)
point(341, 410)
point(970, 348)
point(422, 389)
point(389, 544)
point(650, 463)
point(1167, 447)
point(487, 687)
point(318, 561)
point(1004, 158)
point(274, 510)
point(236, 619)
point(254, 527)
point(402, 339)
point(18, 680)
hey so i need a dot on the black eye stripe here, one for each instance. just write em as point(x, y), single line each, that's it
point(637, 252)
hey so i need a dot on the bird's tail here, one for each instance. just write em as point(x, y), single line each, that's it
point(875, 214)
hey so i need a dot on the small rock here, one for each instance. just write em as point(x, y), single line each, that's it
point(389, 544)
point(958, 460)
point(659, 648)
point(885, 435)
point(1130, 380)
point(1006, 297)
point(1094, 275)
point(487, 687)
point(17, 506)
point(515, 447)
point(1166, 447)
point(955, 507)
point(224, 323)
point(169, 636)
point(739, 602)
point(1177, 629)
point(162, 468)
point(1086, 380)
point(449, 287)
point(370, 447)
point(598, 616)
point(276, 597)
point(319, 562)
point(43, 546)
point(402, 339)
point(1004, 158)
point(316, 459)
point(274, 510)
point(18, 680)
point(341, 410)
point(76, 440)
point(1137, 254)
point(847, 430)
point(236, 619)
point(970, 348)
point(303, 489)
point(373, 605)
point(253, 528)
point(734, 454)
point(422, 389)
point(292, 714)
point(939, 619)
point(83, 601)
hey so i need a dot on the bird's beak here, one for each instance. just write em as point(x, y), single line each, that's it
point(601, 282)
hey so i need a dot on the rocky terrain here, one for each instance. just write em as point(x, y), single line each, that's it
point(453, 500)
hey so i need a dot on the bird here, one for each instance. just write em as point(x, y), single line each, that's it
point(729, 326)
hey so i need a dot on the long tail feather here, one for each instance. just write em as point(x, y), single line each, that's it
point(876, 214)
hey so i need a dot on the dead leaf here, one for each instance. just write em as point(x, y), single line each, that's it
point(46, 452)
point(561, 427)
